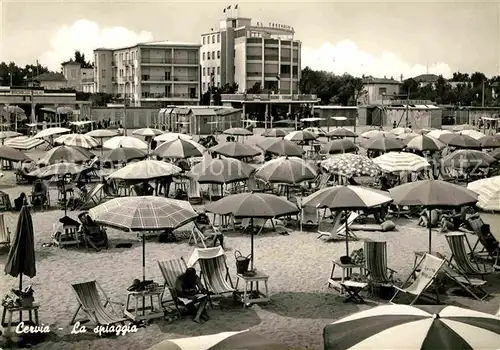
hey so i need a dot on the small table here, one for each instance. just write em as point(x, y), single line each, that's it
point(7, 315)
point(336, 282)
point(146, 312)
point(66, 235)
point(353, 289)
point(251, 295)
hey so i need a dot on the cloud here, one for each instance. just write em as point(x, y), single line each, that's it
point(85, 36)
point(346, 57)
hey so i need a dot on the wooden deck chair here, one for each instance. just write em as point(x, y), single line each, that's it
point(491, 247)
point(171, 269)
point(470, 285)
point(376, 264)
point(93, 197)
point(309, 216)
point(4, 232)
point(460, 256)
point(332, 235)
point(194, 192)
point(90, 303)
point(429, 267)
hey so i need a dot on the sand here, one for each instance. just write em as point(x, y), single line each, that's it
point(298, 266)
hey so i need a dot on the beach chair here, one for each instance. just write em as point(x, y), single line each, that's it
point(498, 312)
point(89, 301)
point(379, 275)
point(171, 270)
point(473, 286)
point(491, 247)
point(40, 195)
point(460, 257)
point(309, 216)
point(338, 231)
point(215, 192)
point(4, 232)
point(255, 185)
point(429, 267)
point(92, 232)
point(93, 197)
point(214, 271)
point(194, 192)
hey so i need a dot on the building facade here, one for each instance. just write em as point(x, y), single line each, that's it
point(150, 74)
point(378, 90)
point(245, 52)
point(78, 78)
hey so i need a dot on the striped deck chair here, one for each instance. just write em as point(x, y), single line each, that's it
point(90, 303)
point(429, 266)
point(338, 231)
point(470, 285)
point(460, 256)
point(376, 264)
point(93, 197)
point(309, 216)
point(4, 232)
point(194, 192)
point(491, 246)
point(171, 269)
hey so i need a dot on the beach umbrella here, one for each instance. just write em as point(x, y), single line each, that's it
point(318, 131)
point(341, 132)
point(143, 213)
point(407, 137)
point(221, 171)
point(145, 170)
point(400, 131)
point(221, 341)
point(467, 159)
point(347, 198)
point(301, 136)
point(64, 154)
point(274, 133)
point(13, 109)
point(339, 146)
point(64, 110)
point(78, 140)
point(384, 144)
point(172, 136)
point(286, 170)
point(351, 165)
point(425, 143)
point(460, 141)
point(102, 133)
point(285, 122)
point(179, 148)
point(370, 134)
point(414, 327)
point(495, 154)
point(473, 133)
point(432, 194)
point(125, 141)
point(24, 143)
point(489, 142)
point(13, 155)
point(21, 258)
point(51, 132)
point(253, 205)
point(438, 133)
point(235, 150)
point(281, 147)
point(401, 161)
point(238, 132)
point(147, 132)
point(488, 191)
point(48, 109)
point(124, 155)
point(462, 127)
point(8, 134)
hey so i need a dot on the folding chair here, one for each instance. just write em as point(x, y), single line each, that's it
point(171, 270)
point(376, 264)
point(468, 284)
point(93, 197)
point(90, 303)
point(309, 216)
point(460, 257)
point(4, 232)
point(429, 267)
point(491, 246)
point(338, 231)
point(194, 192)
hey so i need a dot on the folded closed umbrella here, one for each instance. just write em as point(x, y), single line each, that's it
point(238, 132)
point(286, 170)
point(145, 170)
point(102, 133)
point(351, 165)
point(414, 327)
point(490, 142)
point(425, 143)
point(274, 133)
point(392, 162)
point(66, 154)
point(125, 141)
point(467, 159)
point(77, 140)
point(460, 141)
point(13, 155)
point(235, 150)
point(384, 144)
point(179, 148)
point(301, 136)
point(339, 146)
point(341, 132)
point(488, 191)
point(124, 155)
point(221, 171)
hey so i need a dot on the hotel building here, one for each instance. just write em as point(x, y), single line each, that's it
point(245, 52)
point(150, 74)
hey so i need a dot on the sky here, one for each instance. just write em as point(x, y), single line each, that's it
point(371, 38)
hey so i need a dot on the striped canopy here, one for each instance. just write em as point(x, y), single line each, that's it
point(489, 193)
point(411, 327)
point(221, 341)
point(24, 142)
point(145, 170)
point(77, 140)
point(401, 161)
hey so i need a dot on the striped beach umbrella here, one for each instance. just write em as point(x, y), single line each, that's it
point(172, 136)
point(221, 171)
point(281, 147)
point(286, 170)
point(77, 140)
point(414, 327)
point(425, 143)
point(221, 341)
point(147, 132)
point(24, 143)
point(65, 154)
point(235, 150)
point(473, 133)
point(401, 161)
point(489, 193)
point(339, 146)
point(384, 144)
point(50, 132)
point(179, 148)
point(460, 141)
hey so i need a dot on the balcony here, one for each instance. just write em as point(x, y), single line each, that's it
point(269, 98)
point(271, 75)
point(186, 78)
point(160, 95)
point(178, 61)
point(271, 58)
point(87, 80)
point(254, 74)
point(285, 76)
point(113, 79)
point(155, 78)
point(254, 57)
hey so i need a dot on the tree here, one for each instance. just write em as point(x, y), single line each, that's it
point(20, 76)
point(80, 58)
point(229, 88)
point(256, 89)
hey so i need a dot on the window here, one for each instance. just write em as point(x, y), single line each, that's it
point(213, 39)
point(382, 90)
point(204, 72)
point(208, 55)
point(203, 40)
point(213, 55)
point(204, 86)
point(218, 54)
point(213, 70)
point(218, 70)
point(104, 88)
point(203, 56)
point(218, 38)
point(103, 74)
point(95, 58)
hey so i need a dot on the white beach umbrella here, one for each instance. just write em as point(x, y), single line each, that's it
point(401, 161)
point(373, 133)
point(51, 132)
point(125, 141)
point(489, 193)
point(147, 132)
point(171, 136)
point(438, 133)
point(24, 142)
point(473, 133)
point(77, 140)
point(301, 135)
point(400, 130)
point(102, 133)
point(145, 170)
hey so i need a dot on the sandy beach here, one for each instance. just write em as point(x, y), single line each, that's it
point(298, 266)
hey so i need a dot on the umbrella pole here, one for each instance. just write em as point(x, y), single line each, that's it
point(430, 228)
point(346, 234)
point(251, 244)
point(143, 272)
point(20, 281)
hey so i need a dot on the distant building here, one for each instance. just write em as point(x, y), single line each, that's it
point(51, 81)
point(432, 79)
point(378, 90)
point(247, 52)
point(150, 74)
point(80, 79)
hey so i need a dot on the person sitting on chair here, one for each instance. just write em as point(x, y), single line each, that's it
point(424, 218)
point(202, 223)
point(452, 222)
point(19, 201)
point(188, 286)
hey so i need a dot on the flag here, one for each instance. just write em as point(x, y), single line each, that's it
point(236, 6)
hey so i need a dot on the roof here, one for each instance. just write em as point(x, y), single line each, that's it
point(168, 43)
point(225, 111)
point(50, 77)
point(372, 80)
point(426, 78)
point(203, 111)
point(70, 62)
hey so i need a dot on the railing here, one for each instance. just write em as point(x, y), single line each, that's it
point(156, 78)
point(271, 75)
point(254, 74)
point(169, 61)
point(254, 57)
point(185, 78)
point(87, 80)
point(271, 58)
point(285, 75)
point(268, 97)
point(168, 95)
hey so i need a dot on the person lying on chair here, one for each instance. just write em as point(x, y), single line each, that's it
point(188, 286)
point(453, 221)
